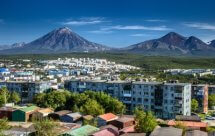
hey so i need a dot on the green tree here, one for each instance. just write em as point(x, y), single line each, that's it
point(3, 126)
point(92, 107)
point(39, 99)
point(109, 103)
point(146, 122)
point(92, 122)
point(123, 76)
point(14, 97)
point(194, 105)
point(211, 100)
point(4, 95)
point(46, 127)
point(75, 108)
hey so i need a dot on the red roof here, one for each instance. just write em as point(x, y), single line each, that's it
point(108, 116)
point(104, 132)
point(128, 129)
point(188, 123)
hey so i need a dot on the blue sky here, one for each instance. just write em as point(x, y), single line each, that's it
point(116, 23)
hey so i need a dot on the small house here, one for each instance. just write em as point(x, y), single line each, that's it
point(166, 131)
point(6, 112)
point(190, 125)
point(105, 132)
point(196, 133)
point(20, 131)
point(134, 134)
point(57, 115)
point(23, 114)
point(71, 117)
point(193, 118)
point(123, 122)
point(105, 118)
point(42, 113)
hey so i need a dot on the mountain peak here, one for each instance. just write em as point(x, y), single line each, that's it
point(173, 35)
point(63, 40)
point(64, 30)
point(173, 38)
point(212, 43)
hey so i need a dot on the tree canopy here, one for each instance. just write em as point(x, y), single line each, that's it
point(211, 100)
point(6, 96)
point(146, 122)
point(3, 126)
point(89, 102)
point(194, 105)
point(45, 127)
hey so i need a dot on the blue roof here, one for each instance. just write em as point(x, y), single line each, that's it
point(4, 70)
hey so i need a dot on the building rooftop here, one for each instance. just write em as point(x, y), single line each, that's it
point(118, 82)
point(188, 123)
point(177, 84)
point(7, 109)
point(128, 130)
point(45, 110)
point(167, 131)
point(105, 132)
point(134, 134)
point(83, 131)
point(63, 112)
point(29, 109)
point(187, 118)
point(75, 115)
point(144, 83)
point(108, 116)
point(196, 133)
point(125, 119)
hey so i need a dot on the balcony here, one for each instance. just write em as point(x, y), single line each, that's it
point(82, 86)
point(179, 95)
point(127, 102)
point(178, 102)
point(110, 88)
point(127, 94)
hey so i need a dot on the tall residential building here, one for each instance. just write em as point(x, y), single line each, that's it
point(200, 93)
point(166, 100)
point(26, 89)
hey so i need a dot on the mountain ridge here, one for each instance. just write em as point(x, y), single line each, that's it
point(59, 40)
point(171, 43)
point(64, 40)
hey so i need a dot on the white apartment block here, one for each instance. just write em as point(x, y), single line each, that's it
point(26, 89)
point(166, 100)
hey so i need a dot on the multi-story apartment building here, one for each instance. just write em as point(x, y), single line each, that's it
point(166, 100)
point(26, 89)
point(200, 93)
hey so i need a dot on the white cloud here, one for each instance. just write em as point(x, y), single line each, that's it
point(203, 26)
point(155, 20)
point(100, 32)
point(140, 35)
point(137, 27)
point(85, 21)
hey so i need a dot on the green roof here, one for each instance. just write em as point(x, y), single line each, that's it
point(82, 131)
point(28, 109)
